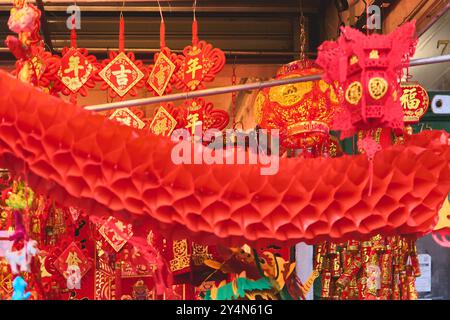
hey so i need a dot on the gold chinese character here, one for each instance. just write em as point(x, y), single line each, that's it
point(409, 99)
point(161, 75)
point(74, 65)
point(192, 118)
point(121, 75)
point(72, 259)
point(120, 226)
point(377, 87)
point(125, 120)
point(354, 92)
point(193, 67)
point(160, 127)
point(374, 54)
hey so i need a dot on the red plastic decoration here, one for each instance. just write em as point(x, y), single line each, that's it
point(34, 65)
point(163, 123)
point(198, 110)
point(122, 74)
point(78, 70)
point(415, 101)
point(80, 159)
point(41, 70)
point(160, 76)
point(200, 63)
point(303, 112)
point(116, 233)
point(72, 256)
point(368, 70)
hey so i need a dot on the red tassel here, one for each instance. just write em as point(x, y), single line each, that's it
point(194, 33)
point(121, 34)
point(73, 35)
point(162, 35)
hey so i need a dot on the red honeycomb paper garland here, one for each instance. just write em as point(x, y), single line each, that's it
point(84, 160)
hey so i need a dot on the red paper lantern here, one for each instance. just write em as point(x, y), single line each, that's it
point(414, 100)
point(200, 63)
point(367, 69)
point(303, 111)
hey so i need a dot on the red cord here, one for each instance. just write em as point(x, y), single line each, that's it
point(73, 34)
point(194, 33)
point(121, 34)
point(162, 35)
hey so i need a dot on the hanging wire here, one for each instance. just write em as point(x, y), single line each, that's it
point(195, 9)
point(160, 11)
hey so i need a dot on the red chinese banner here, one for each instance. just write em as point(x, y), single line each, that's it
point(116, 233)
point(200, 64)
point(414, 100)
point(121, 74)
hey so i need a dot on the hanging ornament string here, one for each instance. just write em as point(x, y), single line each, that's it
point(195, 26)
point(122, 73)
point(73, 33)
point(121, 33)
point(122, 29)
point(162, 29)
point(160, 74)
point(302, 41)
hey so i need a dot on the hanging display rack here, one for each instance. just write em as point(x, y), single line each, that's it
point(237, 88)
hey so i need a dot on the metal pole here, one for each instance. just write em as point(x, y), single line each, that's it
point(241, 87)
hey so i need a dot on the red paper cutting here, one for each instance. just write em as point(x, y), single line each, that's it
point(81, 159)
point(368, 69)
point(160, 76)
point(122, 74)
point(200, 63)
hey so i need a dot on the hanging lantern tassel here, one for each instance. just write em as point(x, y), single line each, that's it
point(162, 34)
point(121, 34)
point(370, 147)
point(194, 32)
point(73, 35)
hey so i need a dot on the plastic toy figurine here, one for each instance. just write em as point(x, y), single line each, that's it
point(19, 286)
point(21, 259)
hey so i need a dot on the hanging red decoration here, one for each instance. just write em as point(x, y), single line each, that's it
point(107, 168)
point(414, 100)
point(72, 257)
point(198, 110)
point(163, 123)
point(303, 112)
point(116, 233)
point(368, 69)
point(200, 63)
point(160, 75)
point(41, 70)
point(34, 65)
point(122, 73)
point(78, 70)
